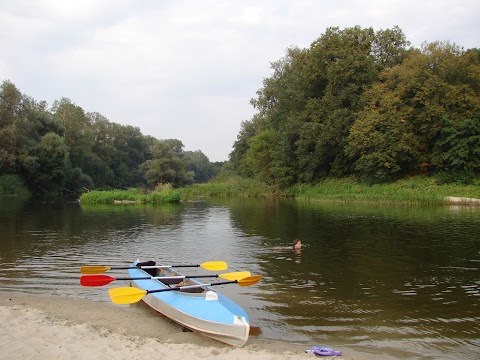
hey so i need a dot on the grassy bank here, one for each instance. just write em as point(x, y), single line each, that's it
point(130, 196)
point(228, 186)
point(418, 190)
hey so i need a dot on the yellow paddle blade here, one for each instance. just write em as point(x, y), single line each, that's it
point(126, 295)
point(235, 275)
point(214, 265)
point(93, 269)
point(251, 280)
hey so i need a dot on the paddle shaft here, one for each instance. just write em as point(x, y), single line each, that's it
point(149, 267)
point(130, 295)
point(191, 286)
point(179, 277)
point(101, 280)
point(209, 265)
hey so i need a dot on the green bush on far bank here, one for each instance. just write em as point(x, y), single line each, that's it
point(159, 195)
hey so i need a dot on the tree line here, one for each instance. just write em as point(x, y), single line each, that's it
point(357, 102)
point(63, 149)
point(363, 103)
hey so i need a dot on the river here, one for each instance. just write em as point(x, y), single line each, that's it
point(402, 281)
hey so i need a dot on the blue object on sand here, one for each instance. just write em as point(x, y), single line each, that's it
point(323, 351)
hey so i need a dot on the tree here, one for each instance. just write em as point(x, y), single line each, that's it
point(77, 133)
point(259, 156)
point(200, 166)
point(168, 164)
point(412, 114)
point(52, 159)
point(310, 102)
point(23, 123)
point(459, 143)
point(248, 129)
point(67, 149)
point(10, 111)
point(389, 47)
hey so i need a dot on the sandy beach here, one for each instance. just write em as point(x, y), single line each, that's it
point(47, 327)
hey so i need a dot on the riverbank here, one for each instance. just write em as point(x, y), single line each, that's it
point(414, 190)
point(47, 327)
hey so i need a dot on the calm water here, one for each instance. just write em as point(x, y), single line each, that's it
point(394, 280)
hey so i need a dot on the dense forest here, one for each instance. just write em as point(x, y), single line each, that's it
point(365, 104)
point(65, 150)
point(357, 103)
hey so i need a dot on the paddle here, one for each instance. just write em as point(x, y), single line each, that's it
point(130, 295)
point(210, 265)
point(100, 280)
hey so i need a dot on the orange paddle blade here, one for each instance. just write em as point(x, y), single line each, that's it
point(251, 280)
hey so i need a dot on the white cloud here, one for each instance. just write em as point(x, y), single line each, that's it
point(187, 69)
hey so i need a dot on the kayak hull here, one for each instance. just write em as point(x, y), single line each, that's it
point(209, 313)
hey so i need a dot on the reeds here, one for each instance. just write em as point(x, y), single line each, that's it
point(229, 186)
point(416, 190)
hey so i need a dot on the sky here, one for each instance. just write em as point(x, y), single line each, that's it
point(187, 69)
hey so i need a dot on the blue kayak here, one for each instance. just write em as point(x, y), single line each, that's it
point(203, 310)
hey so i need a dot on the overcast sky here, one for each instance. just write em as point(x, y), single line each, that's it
point(186, 69)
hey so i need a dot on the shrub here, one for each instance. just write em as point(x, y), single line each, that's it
point(13, 185)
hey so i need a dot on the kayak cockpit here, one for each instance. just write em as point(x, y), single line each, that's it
point(171, 281)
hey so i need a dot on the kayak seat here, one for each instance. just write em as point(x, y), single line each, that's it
point(171, 281)
point(194, 290)
point(152, 272)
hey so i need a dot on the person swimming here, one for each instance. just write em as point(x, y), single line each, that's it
point(297, 246)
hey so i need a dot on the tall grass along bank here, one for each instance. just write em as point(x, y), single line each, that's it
point(229, 186)
point(416, 190)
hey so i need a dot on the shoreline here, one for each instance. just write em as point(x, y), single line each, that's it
point(45, 327)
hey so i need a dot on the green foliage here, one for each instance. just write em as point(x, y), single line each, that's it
point(459, 147)
point(52, 160)
point(420, 117)
point(389, 47)
point(258, 159)
point(415, 190)
point(248, 129)
point(358, 102)
point(13, 186)
point(78, 180)
point(14, 149)
point(130, 196)
point(228, 184)
point(199, 165)
point(309, 104)
point(65, 150)
point(168, 165)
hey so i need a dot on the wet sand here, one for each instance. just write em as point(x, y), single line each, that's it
point(48, 327)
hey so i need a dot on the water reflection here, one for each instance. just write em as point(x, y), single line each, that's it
point(395, 279)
